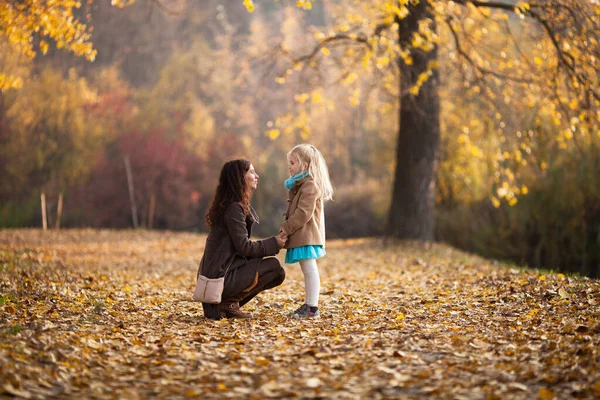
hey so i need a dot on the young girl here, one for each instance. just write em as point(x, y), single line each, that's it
point(304, 224)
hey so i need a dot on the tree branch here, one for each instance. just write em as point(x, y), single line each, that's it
point(474, 64)
point(331, 39)
point(565, 58)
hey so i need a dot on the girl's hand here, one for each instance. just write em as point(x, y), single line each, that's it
point(281, 239)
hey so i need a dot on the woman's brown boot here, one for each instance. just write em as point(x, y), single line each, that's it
point(231, 309)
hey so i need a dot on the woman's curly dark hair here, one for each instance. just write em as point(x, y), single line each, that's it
point(232, 188)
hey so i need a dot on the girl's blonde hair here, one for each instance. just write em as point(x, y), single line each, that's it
point(312, 161)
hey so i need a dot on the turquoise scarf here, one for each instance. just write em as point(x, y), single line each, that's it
point(289, 182)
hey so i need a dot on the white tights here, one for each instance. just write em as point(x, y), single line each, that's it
point(312, 281)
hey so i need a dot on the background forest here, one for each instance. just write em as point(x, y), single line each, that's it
point(179, 87)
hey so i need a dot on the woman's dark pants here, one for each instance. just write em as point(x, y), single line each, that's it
point(270, 275)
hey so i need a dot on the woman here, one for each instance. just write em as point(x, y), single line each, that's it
point(229, 251)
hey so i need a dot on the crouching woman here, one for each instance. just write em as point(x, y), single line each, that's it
point(246, 264)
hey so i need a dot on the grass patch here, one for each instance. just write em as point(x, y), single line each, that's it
point(7, 298)
point(13, 330)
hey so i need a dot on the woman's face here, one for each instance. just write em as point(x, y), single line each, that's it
point(294, 166)
point(252, 178)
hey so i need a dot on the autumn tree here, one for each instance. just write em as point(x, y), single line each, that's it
point(31, 27)
point(397, 42)
point(48, 138)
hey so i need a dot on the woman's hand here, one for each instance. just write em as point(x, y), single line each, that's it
point(281, 239)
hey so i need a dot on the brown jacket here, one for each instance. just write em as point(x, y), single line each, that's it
point(304, 220)
point(228, 243)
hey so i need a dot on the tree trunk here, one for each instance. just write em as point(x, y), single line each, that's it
point(134, 215)
point(412, 209)
point(44, 216)
point(59, 211)
point(151, 211)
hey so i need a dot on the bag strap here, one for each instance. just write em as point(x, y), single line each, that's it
point(230, 262)
point(200, 272)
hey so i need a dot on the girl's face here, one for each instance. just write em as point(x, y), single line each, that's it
point(294, 166)
point(252, 178)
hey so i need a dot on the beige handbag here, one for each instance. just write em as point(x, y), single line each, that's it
point(209, 290)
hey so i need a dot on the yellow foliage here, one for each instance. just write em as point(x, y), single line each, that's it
point(317, 96)
point(351, 77)
point(301, 98)
point(305, 4)
point(10, 82)
point(57, 20)
point(249, 4)
point(495, 201)
point(273, 133)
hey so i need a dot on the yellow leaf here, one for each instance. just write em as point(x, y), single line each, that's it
point(305, 132)
point(383, 62)
point(325, 51)
point(44, 46)
point(563, 293)
point(538, 61)
point(573, 104)
point(495, 202)
point(249, 5)
point(301, 98)
point(542, 277)
point(350, 78)
point(545, 394)
point(568, 134)
point(261, 361)
point(273, 133)
point(400, 317)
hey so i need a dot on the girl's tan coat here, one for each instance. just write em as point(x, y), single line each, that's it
point(304, 220)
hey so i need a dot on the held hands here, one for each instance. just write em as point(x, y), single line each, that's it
point(281, 239)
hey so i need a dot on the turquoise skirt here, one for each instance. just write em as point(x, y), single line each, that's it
point(304, 253)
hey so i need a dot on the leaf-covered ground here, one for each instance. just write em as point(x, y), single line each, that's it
point(107, 314)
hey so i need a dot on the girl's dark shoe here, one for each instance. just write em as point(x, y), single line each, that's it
point(306, 311)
